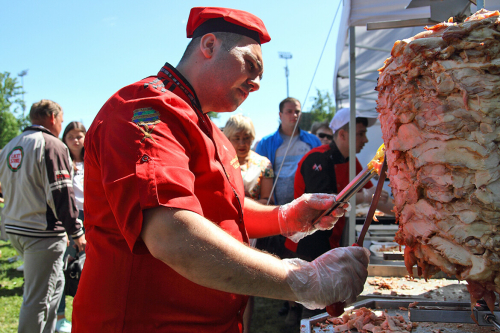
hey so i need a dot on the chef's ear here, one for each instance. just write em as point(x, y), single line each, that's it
point(207, 45)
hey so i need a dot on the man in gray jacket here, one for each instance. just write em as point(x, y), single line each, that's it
point(40, 209)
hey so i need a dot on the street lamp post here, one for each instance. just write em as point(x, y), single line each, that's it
point(286, 56)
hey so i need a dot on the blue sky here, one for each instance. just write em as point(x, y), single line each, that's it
point(79, 53)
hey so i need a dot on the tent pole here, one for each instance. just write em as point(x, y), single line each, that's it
point(352, 130)
point(337, 94)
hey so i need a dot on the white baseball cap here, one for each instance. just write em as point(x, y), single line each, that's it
point(343, 116)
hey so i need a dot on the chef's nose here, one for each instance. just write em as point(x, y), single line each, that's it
point(254, 83)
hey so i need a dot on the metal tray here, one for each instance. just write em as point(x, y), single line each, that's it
point(393, 307)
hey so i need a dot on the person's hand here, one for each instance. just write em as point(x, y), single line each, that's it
point(338, 275)
point(368, 195)
point(295, 218)
point(80, 242)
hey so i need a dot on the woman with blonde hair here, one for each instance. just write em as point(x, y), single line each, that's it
point(256, 170)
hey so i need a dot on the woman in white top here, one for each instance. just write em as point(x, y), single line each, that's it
point(73, 137)
point(256, 170)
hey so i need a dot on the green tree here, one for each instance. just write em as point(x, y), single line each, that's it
point(212, 115)
point(12, 107)
point(9, 127)
point(323, 108)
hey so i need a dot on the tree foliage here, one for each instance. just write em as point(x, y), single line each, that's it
point(323, 107)
point(9, 127)
point(213, 115)
point(321, 110)
point(12, 107)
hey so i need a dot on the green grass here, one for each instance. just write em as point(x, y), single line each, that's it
point(11, 290)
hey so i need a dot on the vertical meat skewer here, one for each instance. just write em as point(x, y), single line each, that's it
point(438, 104)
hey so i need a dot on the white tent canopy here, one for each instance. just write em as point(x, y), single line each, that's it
point(372, 48)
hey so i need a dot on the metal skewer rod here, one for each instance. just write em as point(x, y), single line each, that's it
point(492, 319)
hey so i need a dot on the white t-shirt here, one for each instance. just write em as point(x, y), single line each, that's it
point(78, 185)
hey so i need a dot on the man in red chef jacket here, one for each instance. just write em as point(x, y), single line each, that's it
point(167, 220)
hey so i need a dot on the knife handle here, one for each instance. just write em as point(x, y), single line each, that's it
point(335, 309)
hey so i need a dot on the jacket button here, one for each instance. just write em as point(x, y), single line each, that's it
point(145, 158)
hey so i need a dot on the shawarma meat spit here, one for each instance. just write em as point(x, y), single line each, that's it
point(439, 106)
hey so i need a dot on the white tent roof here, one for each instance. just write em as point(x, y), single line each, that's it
point(358, 13)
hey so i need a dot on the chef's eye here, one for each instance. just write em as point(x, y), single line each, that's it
point(251, 65)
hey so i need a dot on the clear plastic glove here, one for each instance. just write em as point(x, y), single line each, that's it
point(295, 218)
point(338, 275)
point(367, 195)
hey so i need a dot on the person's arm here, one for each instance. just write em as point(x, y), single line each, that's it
point(387, 207)
point(60, 184)
point(205, 254)
point(260, 220)
point(293, 220)
point(266, 186)
point(385, 203)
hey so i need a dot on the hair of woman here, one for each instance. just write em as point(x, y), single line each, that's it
point(71, 126)
point(238, 123)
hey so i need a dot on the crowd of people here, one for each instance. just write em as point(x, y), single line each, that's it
point(185, 223)
point(307, 165)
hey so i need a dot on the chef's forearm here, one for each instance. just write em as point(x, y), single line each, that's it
point(205, 254)
point(261, 220)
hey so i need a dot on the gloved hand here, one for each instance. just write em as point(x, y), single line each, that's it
point(366, 195)
point(336, 276)
point(295, 218)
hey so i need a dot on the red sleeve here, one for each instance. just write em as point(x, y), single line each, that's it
point(299, 186)
point(139, 167)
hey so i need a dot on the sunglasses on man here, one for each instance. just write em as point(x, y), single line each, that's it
point(324, 135)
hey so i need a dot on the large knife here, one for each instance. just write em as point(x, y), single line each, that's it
point(373, 205)
point(336, 309)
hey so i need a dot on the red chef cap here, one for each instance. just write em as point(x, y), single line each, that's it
point(204, 20)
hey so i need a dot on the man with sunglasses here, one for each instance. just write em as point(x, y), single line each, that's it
point(323, 131)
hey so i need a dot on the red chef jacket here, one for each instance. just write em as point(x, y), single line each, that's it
point(322, 170)
point(151, 145)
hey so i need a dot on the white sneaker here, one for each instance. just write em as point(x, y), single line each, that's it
point(63, 326)
point(20, 268)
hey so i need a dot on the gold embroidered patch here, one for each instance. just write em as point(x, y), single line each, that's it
point(235, 163)
point(144, 118)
